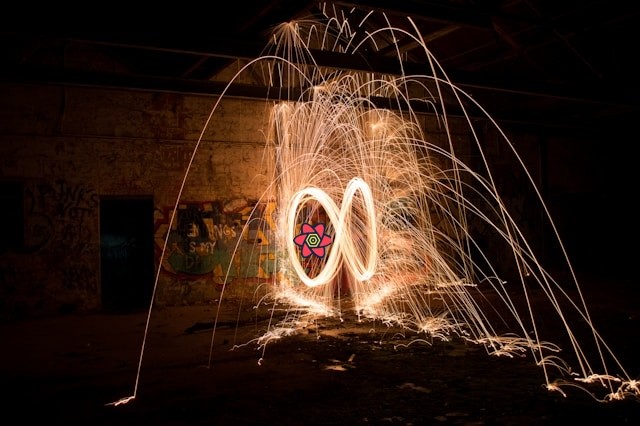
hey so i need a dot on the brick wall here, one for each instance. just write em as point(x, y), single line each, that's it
point(68, 147)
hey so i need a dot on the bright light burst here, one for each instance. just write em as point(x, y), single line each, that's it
point(348, 147)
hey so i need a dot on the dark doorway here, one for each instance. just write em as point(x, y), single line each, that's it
point(127, 267)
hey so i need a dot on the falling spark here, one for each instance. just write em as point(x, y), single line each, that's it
point(400, 205)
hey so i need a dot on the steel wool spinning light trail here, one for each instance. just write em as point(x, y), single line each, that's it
point(342, 246)
point(401, 205)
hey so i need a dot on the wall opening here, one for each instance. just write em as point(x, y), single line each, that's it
point(127, 266)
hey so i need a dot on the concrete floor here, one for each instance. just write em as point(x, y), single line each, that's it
point(68, 369)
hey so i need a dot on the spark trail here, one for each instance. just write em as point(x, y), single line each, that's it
point(349, 149)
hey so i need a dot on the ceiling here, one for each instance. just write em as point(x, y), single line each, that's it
point(551, 64)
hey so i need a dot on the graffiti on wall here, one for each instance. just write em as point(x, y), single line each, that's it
point(59, 211)
point(224, 239)
point(59, 227)
point(172, 157)
point(79, 278)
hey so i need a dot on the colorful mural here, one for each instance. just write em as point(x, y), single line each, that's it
point(227, 240)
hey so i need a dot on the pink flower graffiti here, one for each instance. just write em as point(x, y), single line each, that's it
point(312, 240)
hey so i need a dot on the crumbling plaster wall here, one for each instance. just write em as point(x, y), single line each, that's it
point(70, 146)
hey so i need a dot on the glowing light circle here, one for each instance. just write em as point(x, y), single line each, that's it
point(343, 249)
